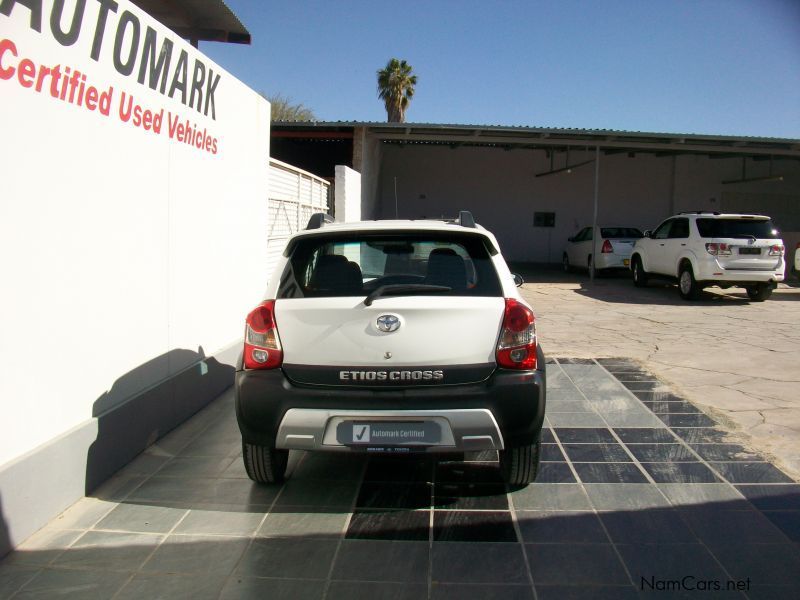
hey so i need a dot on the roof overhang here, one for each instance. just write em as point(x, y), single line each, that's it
point(512, 138)
point(198, 20)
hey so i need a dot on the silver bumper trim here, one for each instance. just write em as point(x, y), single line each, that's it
point(462, 430)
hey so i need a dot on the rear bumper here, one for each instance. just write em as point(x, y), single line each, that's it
point(505, 410)
point(613, 261)
point(710, 273)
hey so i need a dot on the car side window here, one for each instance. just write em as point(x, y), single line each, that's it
point(663, 230)
point(581, 236)
point(679, 229)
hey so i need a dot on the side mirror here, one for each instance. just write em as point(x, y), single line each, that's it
point(518, 280)
point(647, 233)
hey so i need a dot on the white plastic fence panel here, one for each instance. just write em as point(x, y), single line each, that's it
point(294, 195)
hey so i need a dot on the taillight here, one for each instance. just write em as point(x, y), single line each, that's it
point(262, 345)
point(777, 250)
point(516, 348)
point(718, 249)
point(607, 247)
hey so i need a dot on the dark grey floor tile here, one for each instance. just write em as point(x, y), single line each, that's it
point(547, 436)
point(586, 592)
point(196, 466)
point(196, 554)
point(560, 527)
point(364, 590)
point(109, 550)
point(642, 386)
point(584, 435)
point(389, 525)
point(747, 472)
point(473, 526)
point(648, 527)
point(698, 420)
point(415, 469)
point(703, 495)
point(662, 453)
point(142, 518)
point(662, 408)
point(576, 361)
point(702, 435)
point(604, 452)
point(551, 453)
point(455, 591)
point(79, 584)
point(466, 562)
point(394, 495)
point(625, 496)
point(13, 577)
point(172, 586)
point(645, 435)
point(553, 472)
point(739, 527)
point(658, 396)
point(470, 496)
point(681, 472)
point(313, 492)
point(764, 564)
point(298, 558)
point(304, 522)
point(330, 466)
point(222, 519)
point(726, 452)
point(41, 548)
point(649, 562)
point(578, 564)
point(772, 497)
point(788, 521)
point(550, 496)
point(186, 493)
point(609, 473)
point(634, 376)
point(373, 560)
point(618, 361)
point(460, 472)
point(251, 588)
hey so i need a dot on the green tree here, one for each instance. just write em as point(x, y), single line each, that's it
point(396, 88)
point(283, 109)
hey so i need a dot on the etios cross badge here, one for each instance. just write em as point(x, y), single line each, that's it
point(388, 323)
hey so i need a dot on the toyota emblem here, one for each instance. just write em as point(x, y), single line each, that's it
point(388, 323)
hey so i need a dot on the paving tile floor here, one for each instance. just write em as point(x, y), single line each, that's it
point(639, 495)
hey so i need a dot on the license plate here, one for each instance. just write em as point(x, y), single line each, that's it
point(388, 433)
point(749, 250)
point(626, 262)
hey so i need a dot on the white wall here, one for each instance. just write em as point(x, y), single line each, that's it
point(348, 194)
point(502, 191)
point(118, 245)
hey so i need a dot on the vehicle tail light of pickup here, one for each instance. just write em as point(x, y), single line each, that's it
point(718, 249)
point(262, 345)
point(516, 348)
point(607, 248)
point(776, 250)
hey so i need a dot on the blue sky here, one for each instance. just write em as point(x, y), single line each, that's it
point(728, 67)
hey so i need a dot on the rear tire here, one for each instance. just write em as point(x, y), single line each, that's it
point(638, 272)
point(687, 285)
point(264, 464)
point(520, 464)
point(760, 292)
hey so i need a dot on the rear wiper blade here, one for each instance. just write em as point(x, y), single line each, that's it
point(399, 289)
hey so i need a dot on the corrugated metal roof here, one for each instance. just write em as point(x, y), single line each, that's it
point(442, 127)
point(202, 20)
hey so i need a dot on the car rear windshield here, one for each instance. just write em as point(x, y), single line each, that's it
point(737, 228)
point(620, 233)
point(353, 265)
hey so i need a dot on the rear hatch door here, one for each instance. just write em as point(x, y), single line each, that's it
point(749, 240)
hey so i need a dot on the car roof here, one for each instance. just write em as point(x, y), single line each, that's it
point(713, 215)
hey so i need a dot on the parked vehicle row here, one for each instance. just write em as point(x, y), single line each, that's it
point(613, 248)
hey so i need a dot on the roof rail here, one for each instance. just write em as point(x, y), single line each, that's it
point(699, 212)
point(317, 220)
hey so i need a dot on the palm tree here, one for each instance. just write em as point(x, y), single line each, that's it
point(396, 88)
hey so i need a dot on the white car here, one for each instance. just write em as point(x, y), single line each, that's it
point(702, 249)
point(614, 246)
point(797, 261)
point(394, 337)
